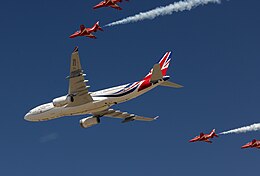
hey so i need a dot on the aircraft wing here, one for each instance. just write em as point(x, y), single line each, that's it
point(77, 84)
point(208, 141)
point(90, 36)
point(115, 6)
point(127, 117)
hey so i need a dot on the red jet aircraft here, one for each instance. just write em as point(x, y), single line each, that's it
point(87, 32)
point(109, 3)
point(254, 144)
point(205, 137)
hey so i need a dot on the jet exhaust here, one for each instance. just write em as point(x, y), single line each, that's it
point(162, 11)
point(254, 127)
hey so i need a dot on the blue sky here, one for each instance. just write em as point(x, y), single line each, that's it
point(215, 56)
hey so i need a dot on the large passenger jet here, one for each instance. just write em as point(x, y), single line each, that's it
point(80, 101)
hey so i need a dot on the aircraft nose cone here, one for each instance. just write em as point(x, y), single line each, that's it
point(244, 146)
point(73, 35)
point(27, 117)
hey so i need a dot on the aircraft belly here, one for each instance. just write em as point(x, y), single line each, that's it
point(88, 108)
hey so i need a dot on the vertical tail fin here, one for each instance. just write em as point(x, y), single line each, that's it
point(164, 64)
point(213, 133)
point(158, 74)
point(159, 71)
point(97, 27)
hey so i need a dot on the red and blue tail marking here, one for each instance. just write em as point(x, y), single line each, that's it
point(164, 64)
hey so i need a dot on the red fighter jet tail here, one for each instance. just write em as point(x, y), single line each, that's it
point(213, 133)
point(96, 27)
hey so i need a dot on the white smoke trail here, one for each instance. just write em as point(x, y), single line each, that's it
point(166, 10)
point(254, 127)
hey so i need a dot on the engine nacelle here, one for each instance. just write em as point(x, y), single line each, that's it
point(62, 101)
point(89, 121)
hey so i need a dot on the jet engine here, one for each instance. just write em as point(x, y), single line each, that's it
point(61, 101)
point(89, 121)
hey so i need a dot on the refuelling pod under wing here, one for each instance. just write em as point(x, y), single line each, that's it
point(89, 121)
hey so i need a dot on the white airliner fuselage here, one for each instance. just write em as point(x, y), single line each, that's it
point(48, 111)
point(79, 101)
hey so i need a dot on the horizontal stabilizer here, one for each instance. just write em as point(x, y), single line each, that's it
point(170, 84)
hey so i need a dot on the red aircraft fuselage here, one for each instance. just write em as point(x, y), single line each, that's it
point(109, 3)
point(254, 144)
point(205, 137)
point(87, 32)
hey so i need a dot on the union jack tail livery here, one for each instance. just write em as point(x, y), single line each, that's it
point(164, 64)
point(158, 73)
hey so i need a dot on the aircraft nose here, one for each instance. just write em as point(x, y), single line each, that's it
point(27, 117)
point(73, 35)
point(245, 146)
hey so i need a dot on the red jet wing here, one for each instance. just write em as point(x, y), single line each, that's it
point(208, 141)
point(91, 36)
point(87, 33)
point(115, 6)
